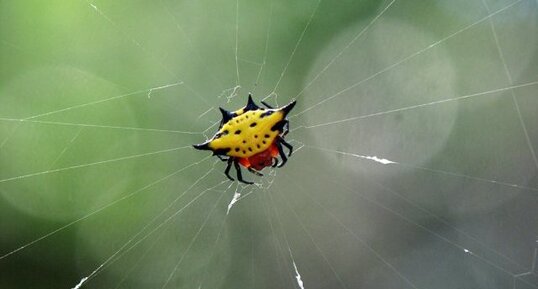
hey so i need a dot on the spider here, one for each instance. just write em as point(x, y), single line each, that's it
point(251, 137)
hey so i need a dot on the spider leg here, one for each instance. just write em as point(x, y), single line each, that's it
point(282, 154)
point(222, 158)
point(255, 172)
point(239, 176)
point(265, 103)
point(286, 144)
point(227, 170)
point(286, 128)
point(283, 127)
point(276, 163)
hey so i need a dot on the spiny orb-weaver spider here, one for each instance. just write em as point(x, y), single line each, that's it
point(252, 137)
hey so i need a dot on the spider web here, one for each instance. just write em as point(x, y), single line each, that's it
point(415, 146)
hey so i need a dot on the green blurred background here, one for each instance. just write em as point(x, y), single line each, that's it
point(101, 100)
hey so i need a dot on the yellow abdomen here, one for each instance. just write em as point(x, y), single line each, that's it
point(247, 134)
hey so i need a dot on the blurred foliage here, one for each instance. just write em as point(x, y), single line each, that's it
point(101, 100)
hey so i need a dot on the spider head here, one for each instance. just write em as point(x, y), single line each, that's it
point(262, 163)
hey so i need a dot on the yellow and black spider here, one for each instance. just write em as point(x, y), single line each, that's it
point(252, 137)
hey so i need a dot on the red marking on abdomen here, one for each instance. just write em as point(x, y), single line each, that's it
point(262, 159)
